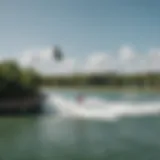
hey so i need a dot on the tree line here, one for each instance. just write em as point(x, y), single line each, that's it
point(105, 79)
point(17, 82)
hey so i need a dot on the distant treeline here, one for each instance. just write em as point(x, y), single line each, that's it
point(111, 79)
point(18, 82)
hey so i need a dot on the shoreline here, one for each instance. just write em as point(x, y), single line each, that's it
point(22, 105)
point(103, 89)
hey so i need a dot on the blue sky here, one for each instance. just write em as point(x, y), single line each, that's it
point(80, 27)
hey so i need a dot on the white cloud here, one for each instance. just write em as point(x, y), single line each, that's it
point(32, 57)
point(154, 59)
point(99, 62)
point(50, 67)
point(44, 62)
point(126, 53)
point(125, 60)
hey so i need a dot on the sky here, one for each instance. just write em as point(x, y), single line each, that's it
point(94, 35)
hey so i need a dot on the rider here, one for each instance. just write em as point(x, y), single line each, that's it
point(80, 98)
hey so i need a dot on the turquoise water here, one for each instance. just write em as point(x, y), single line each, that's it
point(107, 125)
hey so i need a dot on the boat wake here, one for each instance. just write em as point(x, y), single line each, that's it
point(97, 108)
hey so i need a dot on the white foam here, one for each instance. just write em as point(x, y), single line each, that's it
point(101, 109)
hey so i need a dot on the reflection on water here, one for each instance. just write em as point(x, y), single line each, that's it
point(50, 136)
point(16, 136)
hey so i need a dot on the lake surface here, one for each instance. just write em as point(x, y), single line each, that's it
point(106, 125)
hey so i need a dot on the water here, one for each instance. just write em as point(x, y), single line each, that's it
point(107, 125)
